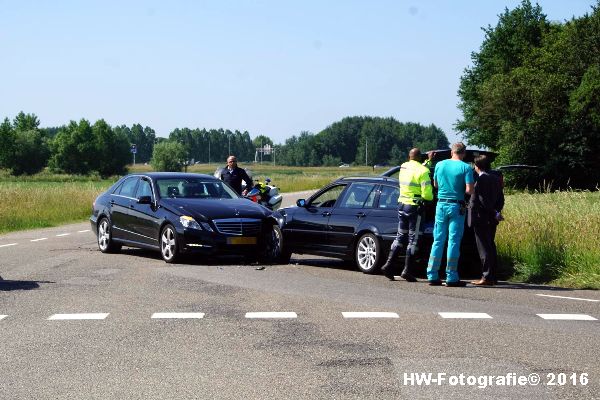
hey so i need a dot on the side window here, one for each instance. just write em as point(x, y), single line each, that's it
point(144, 189)
point(329, 197)
point(360, 195)
point(128, 187)
point(389, 196)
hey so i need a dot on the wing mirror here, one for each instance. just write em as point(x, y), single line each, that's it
point(301, 203)
point(144, 200)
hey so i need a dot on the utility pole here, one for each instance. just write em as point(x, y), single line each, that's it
point(366, 152)
point(229, 144)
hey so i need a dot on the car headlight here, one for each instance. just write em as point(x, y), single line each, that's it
point(190, 223)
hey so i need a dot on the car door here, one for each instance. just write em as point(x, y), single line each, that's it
point(120, 202)
point(385, 214)
point(144, 221)
point(308, 229)
point(349, 213)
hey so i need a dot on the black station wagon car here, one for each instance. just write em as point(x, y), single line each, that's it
point(179, 213)
point(356, 218)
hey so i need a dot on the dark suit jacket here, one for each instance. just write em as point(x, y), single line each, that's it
point(235, 177)
point(487, 198)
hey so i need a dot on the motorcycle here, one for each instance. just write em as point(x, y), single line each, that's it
point(265, 194)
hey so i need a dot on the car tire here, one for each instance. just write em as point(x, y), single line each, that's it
point(106, 244)
point(169, 247)
point(367, 253)
point(275, 249)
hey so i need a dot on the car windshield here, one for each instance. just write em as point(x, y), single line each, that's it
point(194, 188)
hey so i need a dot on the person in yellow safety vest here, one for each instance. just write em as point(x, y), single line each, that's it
point(415, 187)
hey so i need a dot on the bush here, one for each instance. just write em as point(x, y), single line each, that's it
point(168, 156)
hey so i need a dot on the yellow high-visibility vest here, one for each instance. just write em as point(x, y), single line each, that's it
point(415, 183)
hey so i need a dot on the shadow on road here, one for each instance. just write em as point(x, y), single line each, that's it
point(8, 285)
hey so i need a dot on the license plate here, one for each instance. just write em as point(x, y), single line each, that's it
point(241, 240)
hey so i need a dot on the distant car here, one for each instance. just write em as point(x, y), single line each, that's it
point(177, 213)
point(344, 165)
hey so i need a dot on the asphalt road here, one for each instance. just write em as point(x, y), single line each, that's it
point(126, 348)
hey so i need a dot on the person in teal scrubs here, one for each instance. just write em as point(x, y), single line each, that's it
point(454, 179)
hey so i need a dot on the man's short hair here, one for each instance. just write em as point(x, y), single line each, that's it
point(459, 148)
point(483, 162)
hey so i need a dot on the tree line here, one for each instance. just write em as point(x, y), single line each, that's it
point(533, 94)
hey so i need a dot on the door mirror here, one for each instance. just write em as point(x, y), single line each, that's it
point(301, 203)
point(144, 200)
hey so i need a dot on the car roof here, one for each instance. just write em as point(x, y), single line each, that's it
point(368, 179)
point(173, 175)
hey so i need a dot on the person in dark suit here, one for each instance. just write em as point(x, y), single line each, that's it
point(234, 175)
point(484, 212)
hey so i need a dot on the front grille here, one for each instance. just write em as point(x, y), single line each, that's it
point(238, 226)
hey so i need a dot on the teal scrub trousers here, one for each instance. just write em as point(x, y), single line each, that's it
point(449, 223)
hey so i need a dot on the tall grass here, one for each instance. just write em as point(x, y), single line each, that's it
point(552, 237)
point(37, 204)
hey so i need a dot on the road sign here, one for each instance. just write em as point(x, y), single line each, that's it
point(133, 148)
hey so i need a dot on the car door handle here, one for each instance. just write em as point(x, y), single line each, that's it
point(326, 214)
point(131, 206)
point(360, 215)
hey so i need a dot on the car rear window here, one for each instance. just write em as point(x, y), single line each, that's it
point(389, 197)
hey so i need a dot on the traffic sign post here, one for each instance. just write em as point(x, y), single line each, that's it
point(133, 151)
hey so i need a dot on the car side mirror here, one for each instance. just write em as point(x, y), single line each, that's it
point(144, 200)
point(301, 203)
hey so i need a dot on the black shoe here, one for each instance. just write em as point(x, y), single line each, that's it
point(408, 277)
point(435, 282)
point(389, 274)
point(455, 284)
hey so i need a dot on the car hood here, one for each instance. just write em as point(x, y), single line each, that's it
point(208, 209)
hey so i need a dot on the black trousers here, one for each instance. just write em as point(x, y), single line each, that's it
point(485, 233)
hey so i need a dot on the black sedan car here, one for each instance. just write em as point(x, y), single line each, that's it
point(356, 218)
point(352, 218)
point(179, 213)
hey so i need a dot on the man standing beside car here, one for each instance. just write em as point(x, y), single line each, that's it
point(454, 179)
point(415, 187)
point(483, 216)
point(234, 175)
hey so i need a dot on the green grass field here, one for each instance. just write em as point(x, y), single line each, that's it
point(546, 237)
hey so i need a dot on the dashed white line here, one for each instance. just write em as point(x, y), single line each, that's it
point(570, 317)
point(3, 316)
point(63, 234)
point(182, 315)
point(8, 244)
point(271, 315)
point(56, 317)
point(37, 240)
point(356, 314)
point(465, 315)
point(84, 231)
point(566, 297)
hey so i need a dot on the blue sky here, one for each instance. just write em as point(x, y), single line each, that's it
point(269, 67)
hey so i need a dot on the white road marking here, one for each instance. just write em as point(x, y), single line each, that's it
point(77, 316)
point(466, 315)
point(3, 316)
point(63, 234)
point(178, 315)
point(355, 314)
point(37, 240)
point(271, 315)
point(84, 231)
point(570, 317)
point(9, 244)
point(565, 297)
